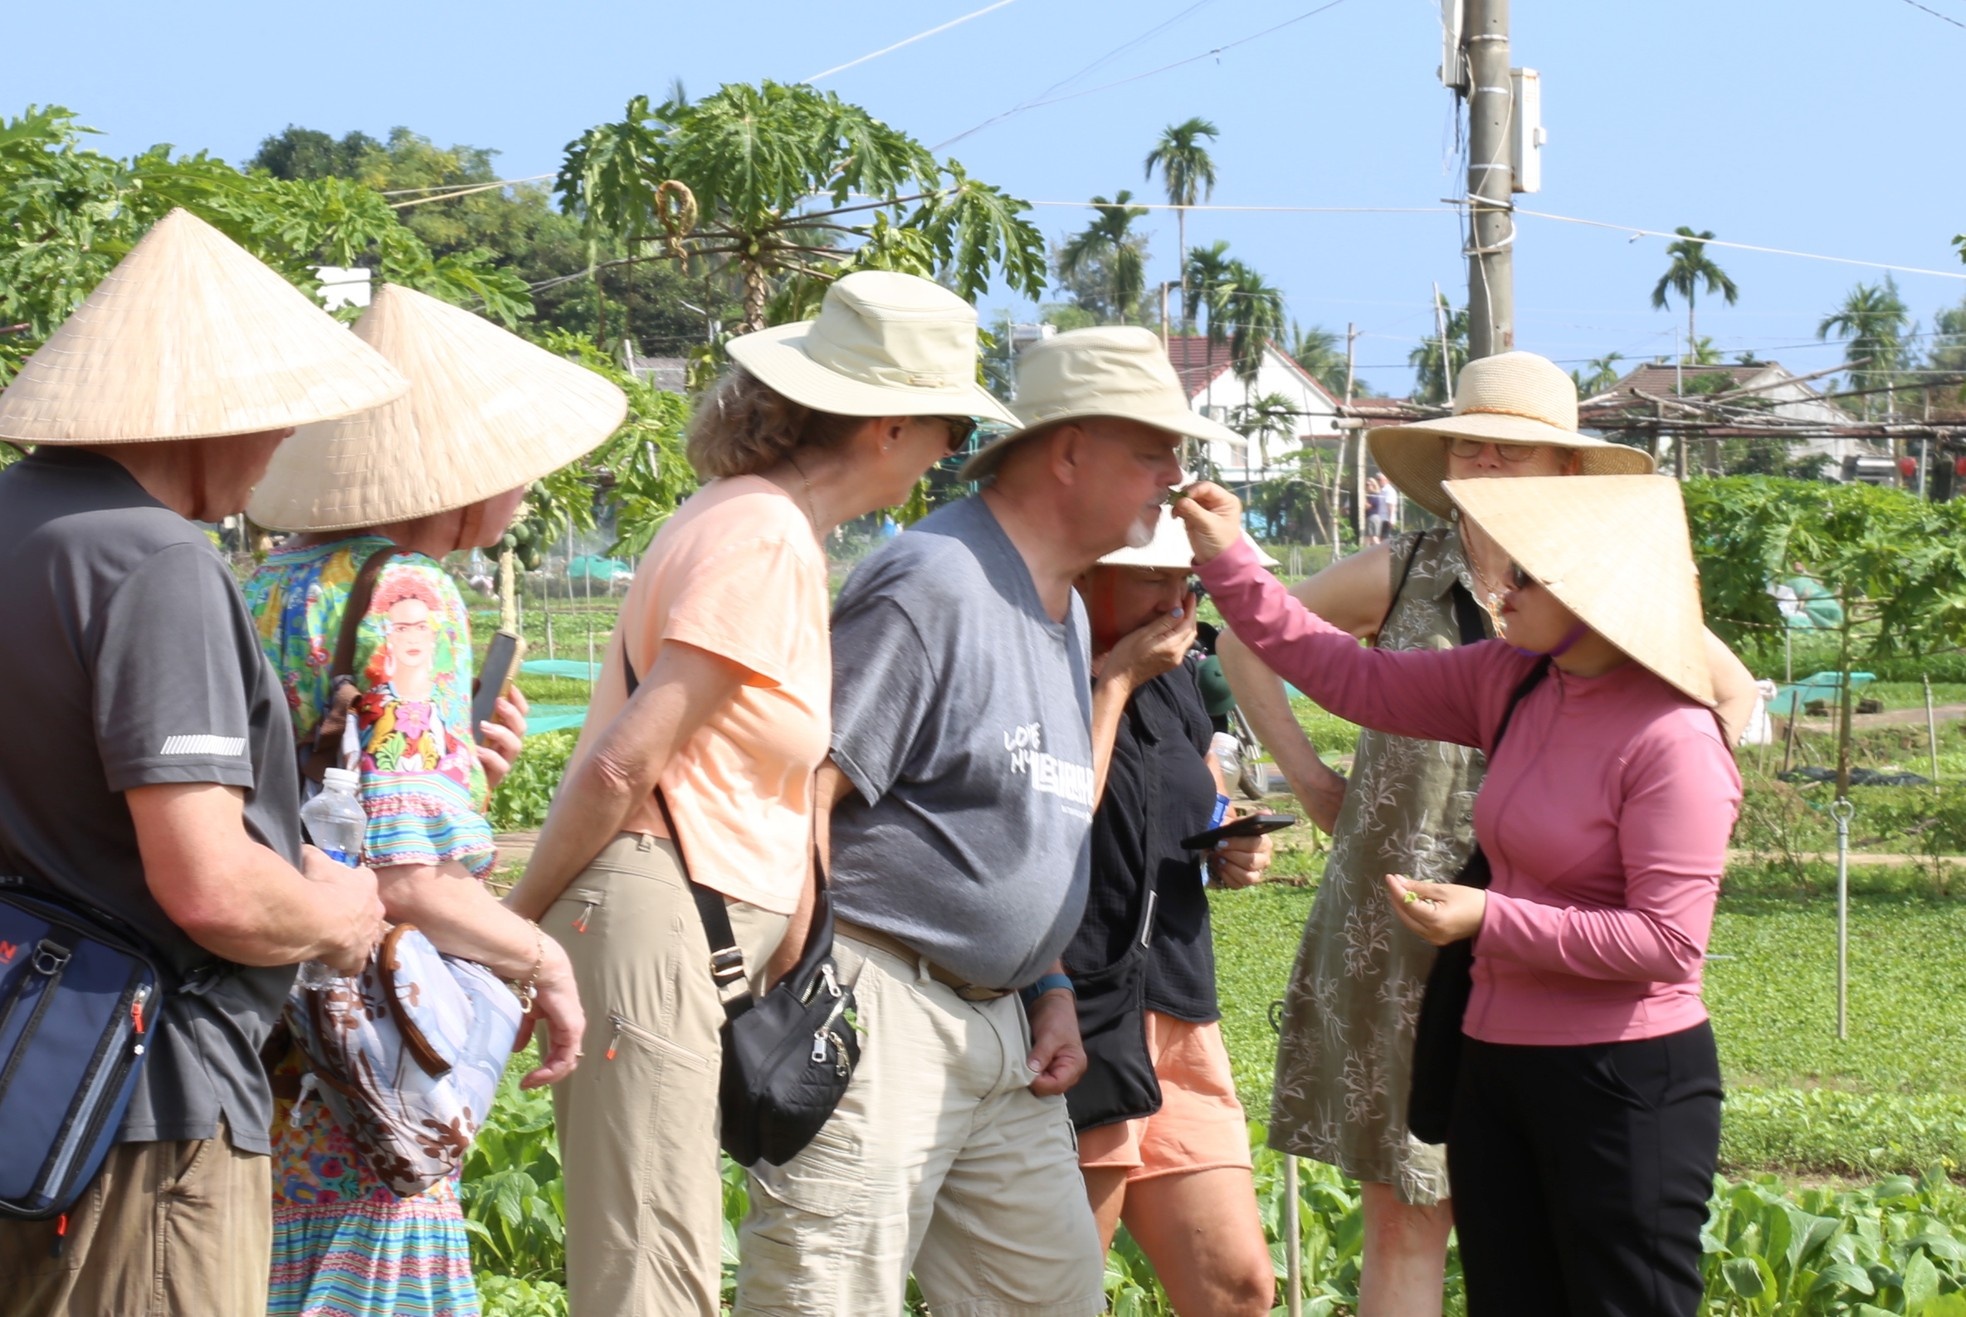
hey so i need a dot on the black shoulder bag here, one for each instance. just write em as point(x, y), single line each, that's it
point(1437, 1032)
point(789, 1054)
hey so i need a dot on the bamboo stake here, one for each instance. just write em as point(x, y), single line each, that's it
point(1931, 729)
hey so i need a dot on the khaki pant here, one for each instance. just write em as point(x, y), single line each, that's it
point(940, 1161)
point(166, 1230)
point(637, 1120)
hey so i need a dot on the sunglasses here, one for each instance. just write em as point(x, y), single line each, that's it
point(961, 428)
point(1519, 579)
point(1507, 452)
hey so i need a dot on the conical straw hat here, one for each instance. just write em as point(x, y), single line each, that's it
point(1509, 398)
point(190, 337)
point(1615, 551)
point(486, 412)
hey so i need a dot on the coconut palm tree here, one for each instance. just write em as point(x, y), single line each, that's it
point(1432, 376)
point(1271, 416)
point(1201, 272)
point(1109, 241)
point(1692, 268)
point(1189, 173)
point(1598, 374)
point(1873, 323)
point(1248, 310)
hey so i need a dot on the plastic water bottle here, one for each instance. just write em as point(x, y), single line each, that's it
point(1228, 756)
point(337, 825)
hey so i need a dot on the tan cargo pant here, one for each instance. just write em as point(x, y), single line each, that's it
point(939, 1161)
point(167, 1230)
point(637, 1119)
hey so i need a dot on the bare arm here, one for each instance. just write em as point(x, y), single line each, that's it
point(1733, 689)
point(683, 688)
point(830, 787)
point(1353, 593)
point(238, 899)
point(1138, 658)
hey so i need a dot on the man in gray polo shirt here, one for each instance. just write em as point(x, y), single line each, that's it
point(148, 766)
point(966, 769)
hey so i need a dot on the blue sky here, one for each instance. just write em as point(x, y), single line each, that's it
point(1824, 126)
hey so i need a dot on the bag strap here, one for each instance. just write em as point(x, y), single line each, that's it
point(325, 752)
point(1405, 571)
point(1475, 872)
point(1469, 615)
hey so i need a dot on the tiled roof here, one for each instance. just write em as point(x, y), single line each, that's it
point(1663, 377)
point(1198, 361)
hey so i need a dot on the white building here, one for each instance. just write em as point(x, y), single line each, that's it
point(1790, 398)
point(1209, 379)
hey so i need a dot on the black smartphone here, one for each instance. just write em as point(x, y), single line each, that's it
point(495, 676)
point(1249, 825)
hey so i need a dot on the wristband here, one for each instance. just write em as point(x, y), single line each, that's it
point(1046, 983)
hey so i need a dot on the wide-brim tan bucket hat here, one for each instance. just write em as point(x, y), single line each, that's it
point(1509, 398)
point(190, 337)
point(1112, 370)
point(883, 344)
point(1170, 549)
point(1615, 551)
point(486, 412)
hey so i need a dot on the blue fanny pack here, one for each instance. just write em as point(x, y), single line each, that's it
point(80, 997)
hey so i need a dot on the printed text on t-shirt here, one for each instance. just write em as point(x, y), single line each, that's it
point(1048, 773)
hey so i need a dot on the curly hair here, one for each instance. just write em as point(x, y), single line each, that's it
point(743, 426)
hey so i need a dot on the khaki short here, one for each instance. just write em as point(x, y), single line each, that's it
point(166, 1230)
point(1200, 1125)
point(940, 1161)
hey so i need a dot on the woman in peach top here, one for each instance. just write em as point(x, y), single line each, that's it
point(725, 630)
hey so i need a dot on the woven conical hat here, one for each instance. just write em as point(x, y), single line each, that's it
point(1509, 398)
point(190, 337)
point(1615, 550)
point(486, 412)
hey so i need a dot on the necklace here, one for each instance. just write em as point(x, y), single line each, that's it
point(812, 512)
point(1485, 591)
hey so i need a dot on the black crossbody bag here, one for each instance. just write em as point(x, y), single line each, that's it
point(788, 1055)
point(1437, 1038)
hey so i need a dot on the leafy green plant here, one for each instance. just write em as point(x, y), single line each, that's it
point(522, 799)
point(514, 1196)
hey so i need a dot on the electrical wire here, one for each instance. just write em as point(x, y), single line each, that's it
point(919, 36)
point(1943, 18)
point(455, 187)
point(1743, 246)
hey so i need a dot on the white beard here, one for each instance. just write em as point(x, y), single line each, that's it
point(1141, 532)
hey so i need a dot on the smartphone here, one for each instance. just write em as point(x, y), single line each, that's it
point(495, 676)
point(1249, 825)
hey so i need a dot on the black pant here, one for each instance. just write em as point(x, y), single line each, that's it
point(1581, 1175)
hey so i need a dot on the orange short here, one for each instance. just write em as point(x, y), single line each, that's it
point(1200, 1125)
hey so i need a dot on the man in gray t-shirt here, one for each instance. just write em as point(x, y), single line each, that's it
point(148, 765)
point(968, 747)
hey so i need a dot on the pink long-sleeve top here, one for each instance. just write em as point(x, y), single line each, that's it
point(1604, 814)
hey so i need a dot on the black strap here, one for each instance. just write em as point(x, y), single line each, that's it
point(1405, 571)
point(1476, 871)
point(1469, 615)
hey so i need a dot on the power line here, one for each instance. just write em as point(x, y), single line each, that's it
point(1944, 18)
point(462, 188)
point(1280, 210)
point(1743, 246)
point(919, 36)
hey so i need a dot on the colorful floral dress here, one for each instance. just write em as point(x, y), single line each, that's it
point(344, 1245)
point(1345, 1060)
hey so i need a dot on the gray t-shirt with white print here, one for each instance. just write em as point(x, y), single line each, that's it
point(963, 715)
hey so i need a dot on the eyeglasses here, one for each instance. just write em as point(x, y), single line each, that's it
point(1507, 452)
point(1519, 579)
point(960, 430)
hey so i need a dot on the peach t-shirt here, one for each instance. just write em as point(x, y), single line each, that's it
point(736, 571)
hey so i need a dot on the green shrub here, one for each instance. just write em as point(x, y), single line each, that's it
point(521, 800)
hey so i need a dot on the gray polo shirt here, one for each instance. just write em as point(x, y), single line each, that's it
point(130, 660)
point(963, 716)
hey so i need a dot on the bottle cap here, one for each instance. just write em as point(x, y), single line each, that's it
point(347, 779)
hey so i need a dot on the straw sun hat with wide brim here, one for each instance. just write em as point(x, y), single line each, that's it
point(190, 337)
point(1511, 398)
point(1114, 370)
point(1170, 549)
point(883, 344)
point(1615, 551)
point(487, 412)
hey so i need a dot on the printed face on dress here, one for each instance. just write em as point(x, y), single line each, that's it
point(1472, 459)
point(1130, 467)
point(412, 635)
point(1119, 600)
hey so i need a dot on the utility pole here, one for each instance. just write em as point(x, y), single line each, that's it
point(1446, 361)
point(1163, 316)
point(1491, 179)
point(1358, 450)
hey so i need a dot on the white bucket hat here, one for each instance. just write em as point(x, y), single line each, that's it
point(1510, 398)
point(1170, 549)
point(486, 412)
point(883, 344)
point(1114, 370)
point(1615, 551)
point(191, 337)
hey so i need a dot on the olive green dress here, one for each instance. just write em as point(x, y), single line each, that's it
point(1345, 1059)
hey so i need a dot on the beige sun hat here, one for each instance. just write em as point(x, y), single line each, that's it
point(1615, 551)
point(1170, 549)
point(883, 344)
point(1509, 398)
point(1113, 370)
point(486, 412)
point(190, 337)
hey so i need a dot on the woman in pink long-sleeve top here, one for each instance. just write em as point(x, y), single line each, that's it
point(1586, 1119)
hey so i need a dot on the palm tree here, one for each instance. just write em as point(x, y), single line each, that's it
point(1316, 350)
point(1873, 322)
point(1189, 173)
point(1273, 414)
point(1691, 267)
point(1203, 270)
point(1109, 242)
point(1431, 383)
point(1248, 310)
point(1598, 374)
